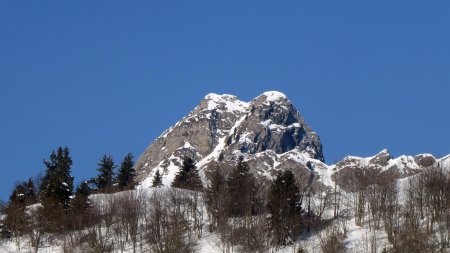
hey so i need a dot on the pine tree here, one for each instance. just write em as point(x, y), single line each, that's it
point(127, 173)
point(284, 205)
point(104, 180)
point(157, 180)
point(57, 184)
point(242, 187)
point(188, 177)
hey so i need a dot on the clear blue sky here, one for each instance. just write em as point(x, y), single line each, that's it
point(110, 76)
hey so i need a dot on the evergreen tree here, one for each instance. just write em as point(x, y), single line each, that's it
point(284, 205)
point(188, 177)
point(81, 200)
point(57, 184)
point(127, 173)
point(81, 215)
point(104, 180)
point(24, 193)
point(15, 222)
point(216, 197)
point(157, 180)
point(243, 193)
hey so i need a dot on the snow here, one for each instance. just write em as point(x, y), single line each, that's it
point(266, 123)
point(230, 102)
point(219, 147)
point(274, 96)
point(444, 162)
point(276, 127)
point(187, 145)
point(167, 173)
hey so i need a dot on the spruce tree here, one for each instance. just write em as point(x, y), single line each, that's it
point(244, 199)
point(81, 215)
point(81, 200)
point(104, 180)
point(127, 173)
point(157, 180)
point(188, 177)
point(57, 184)
point(24, 193)
point(216, 197)
point(284, 206)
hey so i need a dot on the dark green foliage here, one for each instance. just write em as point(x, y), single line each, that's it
point(216, 198)
point(284, 206)
point(188, 177)
point(127, 173)
point(81, 200)
point(57, 183)
point(157, 180)
point(81, 207)
point(244, 199)
point(105, 178)
point(24, 193)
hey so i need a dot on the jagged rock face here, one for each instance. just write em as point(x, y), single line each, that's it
point(379, 167)
point(222, 128)
point(197, 134)
point(274, 124)
point(425, 160)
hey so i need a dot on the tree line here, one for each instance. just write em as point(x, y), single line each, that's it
point(243, 213)
point(51, 201)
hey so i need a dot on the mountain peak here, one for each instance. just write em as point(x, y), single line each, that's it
point(215, 96)
point(225, 102)
point(222, 128)
point(274, 96)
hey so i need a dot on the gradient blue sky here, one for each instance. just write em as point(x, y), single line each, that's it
point(110, 76)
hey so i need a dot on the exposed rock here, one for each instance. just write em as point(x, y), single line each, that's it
point(222, 128)
point(376, 169)
point(381, 158)
point(425, 160)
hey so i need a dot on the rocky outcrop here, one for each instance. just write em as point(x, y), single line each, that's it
point(425, 160)
point(381, 167)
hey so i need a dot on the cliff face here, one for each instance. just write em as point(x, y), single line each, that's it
point(222, 128)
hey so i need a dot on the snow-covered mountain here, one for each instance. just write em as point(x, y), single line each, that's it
point(270, 134)
point(267, 131)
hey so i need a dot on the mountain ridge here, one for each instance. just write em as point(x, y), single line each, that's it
point(268, 132)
